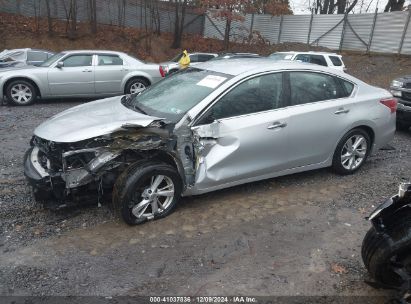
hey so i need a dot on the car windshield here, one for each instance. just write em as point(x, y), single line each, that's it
point(281, 56)
point(52, 60)
point(172, 97)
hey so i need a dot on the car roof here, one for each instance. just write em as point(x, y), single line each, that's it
point(93, 51)
point(201, 53)
point(237, 54)
point(308, 52)
point(239, 66)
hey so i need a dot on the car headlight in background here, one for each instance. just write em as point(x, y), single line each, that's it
point(396, 93)
point(397, 84)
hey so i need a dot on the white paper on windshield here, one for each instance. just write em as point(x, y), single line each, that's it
point(288, 57)
point(211, 81)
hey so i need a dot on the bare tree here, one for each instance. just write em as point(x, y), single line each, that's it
point(394, 5)
point(121, 9)
point(93, 15)
point(70, 9)
point(180, 13)
point(49, 18)
point(333, 6)
point(37, 13)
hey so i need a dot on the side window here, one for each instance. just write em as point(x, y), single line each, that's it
point(194, 58)
point(336, 60)
point(302, 58)
point(318, 59)
point(309, 87)
point(78, 60)
point(36, 56)
point(349, 87)
point(203, 58)
point(258, 94)
point(109, 60)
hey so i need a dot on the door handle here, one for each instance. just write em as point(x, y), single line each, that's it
point(277, 125)
point(342, 111)
point(86, 71)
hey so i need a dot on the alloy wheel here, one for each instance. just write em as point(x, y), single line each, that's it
point(21, 93)
point(154, 197)
point(353, 152)
point(137, 87)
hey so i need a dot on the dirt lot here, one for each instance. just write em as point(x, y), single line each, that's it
point(294, 235)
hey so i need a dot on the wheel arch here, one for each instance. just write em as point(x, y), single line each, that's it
point(363, 126)
point(31, 81)
point(135, 76)
point(164, 157)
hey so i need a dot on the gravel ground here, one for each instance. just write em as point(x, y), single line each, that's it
point(294, 235)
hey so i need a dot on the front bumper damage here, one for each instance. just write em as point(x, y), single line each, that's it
point(68, 173)
point(67, 186)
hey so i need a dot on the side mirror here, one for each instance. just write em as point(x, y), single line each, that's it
point(60, 64)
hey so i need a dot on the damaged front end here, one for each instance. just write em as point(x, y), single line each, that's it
point(65, 174)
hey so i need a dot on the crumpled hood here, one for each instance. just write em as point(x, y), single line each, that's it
point(90, 120)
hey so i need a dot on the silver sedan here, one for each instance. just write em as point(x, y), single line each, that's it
point(209, 127)
point(78, 74)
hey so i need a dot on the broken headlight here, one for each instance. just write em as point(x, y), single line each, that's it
point(79, 160)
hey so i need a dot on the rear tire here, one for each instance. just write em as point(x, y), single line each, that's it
point(136, 85)
point(347, 159)
point(138, 186)
point(21, 93)
point(380, 251)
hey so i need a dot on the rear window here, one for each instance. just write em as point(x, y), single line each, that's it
point(36, 56)
point(314, 59)
point(349, 87)
point(336, 60)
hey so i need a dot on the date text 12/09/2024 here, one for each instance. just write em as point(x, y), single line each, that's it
point(206, 299)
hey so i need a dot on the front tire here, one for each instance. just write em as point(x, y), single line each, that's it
point(21, 93)
point(351, 152)
point(145, 191)
point(136, 85)
point(381, 252)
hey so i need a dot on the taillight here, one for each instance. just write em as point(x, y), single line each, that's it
point(162, 73)
point(391, 103)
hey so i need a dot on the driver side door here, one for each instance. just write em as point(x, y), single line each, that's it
point(244, 135)
point(75, 78)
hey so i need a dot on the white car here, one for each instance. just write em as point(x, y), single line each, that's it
point(331, 60)
point(172, 66)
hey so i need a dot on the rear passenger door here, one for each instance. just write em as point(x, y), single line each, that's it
point(319, 115)
point(109, 73)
